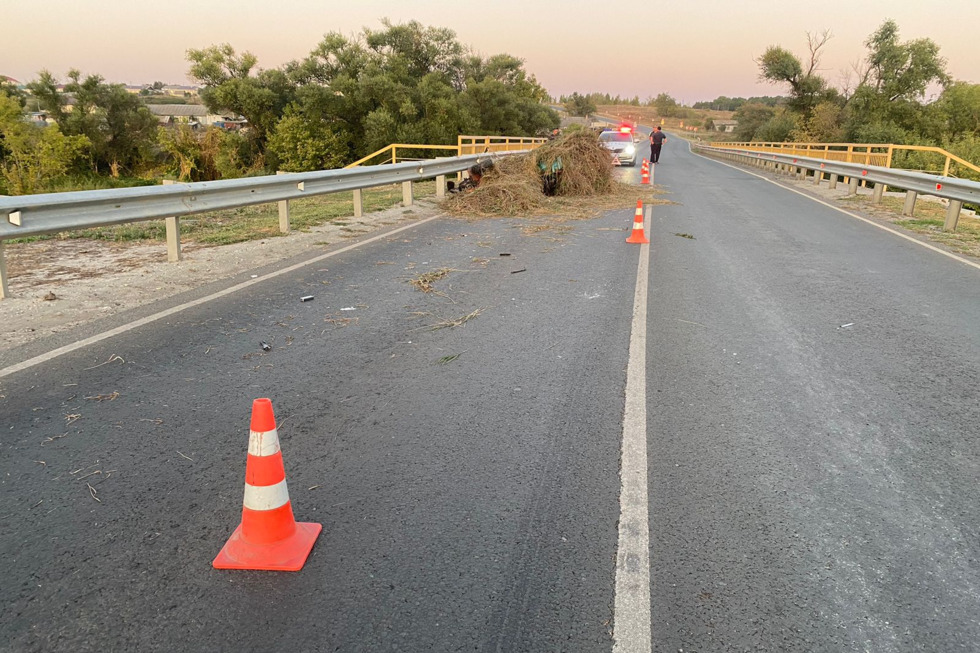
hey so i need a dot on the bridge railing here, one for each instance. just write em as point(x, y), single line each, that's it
point(464, 145)
point(921, 158)
point(32, 215)
point(957, 191)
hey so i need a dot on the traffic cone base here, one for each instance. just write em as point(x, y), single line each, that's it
point(285, 555)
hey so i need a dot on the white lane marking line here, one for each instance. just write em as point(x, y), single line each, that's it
point(853, 215)
point(55, 353)
point(631, 612)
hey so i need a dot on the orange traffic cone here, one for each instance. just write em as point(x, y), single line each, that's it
point(645, 173)
point(638, 236)
point(268, 537)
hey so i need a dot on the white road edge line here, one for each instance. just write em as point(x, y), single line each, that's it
point(631, 611)
point(848, 213)
point(55, 353)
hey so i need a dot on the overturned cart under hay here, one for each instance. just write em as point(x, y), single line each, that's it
point(574, 165)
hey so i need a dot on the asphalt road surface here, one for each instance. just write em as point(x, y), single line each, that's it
point(811, 424)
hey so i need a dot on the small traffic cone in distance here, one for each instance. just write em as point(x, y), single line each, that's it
point(269, 537)
point(645, 174)
point(638, 236)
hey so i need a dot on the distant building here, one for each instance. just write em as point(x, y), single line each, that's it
point(727, 126)
point(194, 115)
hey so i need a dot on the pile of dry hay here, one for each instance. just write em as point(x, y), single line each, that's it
point(514, 186)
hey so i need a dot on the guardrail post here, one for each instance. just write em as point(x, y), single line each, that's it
point(952, 215)
point(801, 174)
point(283, 211)
point(358, 203)
point(833, 181)
point(817, 177)
point(407, 196)
point(910, 197)
point(4, 288)
point(878, 193)
point(852, 186)
point(441, 186)
point(173, 232)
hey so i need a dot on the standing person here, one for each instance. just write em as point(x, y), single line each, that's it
point(657, 139)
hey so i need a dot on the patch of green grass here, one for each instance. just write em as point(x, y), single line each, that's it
point(250, 222)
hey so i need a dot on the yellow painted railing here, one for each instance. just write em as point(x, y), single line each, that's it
point(482, 144)
point(922, 158)
point(390, 153)
point(464, 145)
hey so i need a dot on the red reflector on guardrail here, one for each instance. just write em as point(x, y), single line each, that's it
point(939, 186)
point(864, 173)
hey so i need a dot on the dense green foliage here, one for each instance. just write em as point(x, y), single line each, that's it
point(31, 156)
point(723, 103)
point(887, 102)
point(403, 84)
point(579, 105)
point(120, 130)
point(350, 96)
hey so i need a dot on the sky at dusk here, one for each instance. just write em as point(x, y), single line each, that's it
point(692, 49)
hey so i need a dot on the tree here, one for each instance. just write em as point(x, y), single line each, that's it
point(579, 105)
point(902, 71)
point(403, 83)
point(750, 118)
point(10, 89)
point(299, 144)
point(893, 85)
point(120, 129)
point(806, 88)
point(229, 86)
point(666, 105)
point(959, 110)
point(32, 157)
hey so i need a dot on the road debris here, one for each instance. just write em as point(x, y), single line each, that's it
point(449, 359)
point(686, 236)
point(306, 298)
point(460, 321)
point(112, 359)
point(846, 326)
point(53, 438)
point(93, 492)
point(265, 346)
point(187, 457)
point(50, 297)
point(108, 397)
point(505, 253)
point(516, 271)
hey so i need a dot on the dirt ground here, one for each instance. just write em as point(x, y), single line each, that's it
point(56, 285)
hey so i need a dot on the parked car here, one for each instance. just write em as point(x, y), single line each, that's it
point(620, 143)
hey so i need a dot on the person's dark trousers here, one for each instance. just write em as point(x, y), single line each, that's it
point(655, 152)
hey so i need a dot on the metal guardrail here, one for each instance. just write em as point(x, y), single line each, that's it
point(957, 191)
point(877, 154)
point(32, 215)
